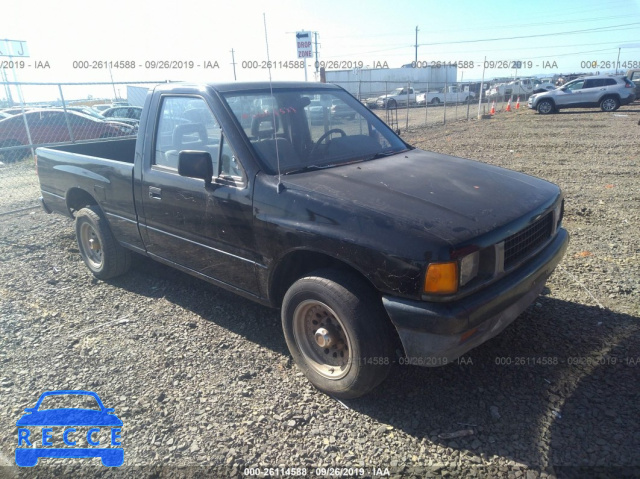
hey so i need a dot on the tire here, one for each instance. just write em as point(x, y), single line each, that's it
point(609, 103)
point(545, 107)
point(392, 104)
point(340, 309)
point(435, 101)
point(102, 254)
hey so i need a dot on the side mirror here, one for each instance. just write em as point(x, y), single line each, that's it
point(196, 164)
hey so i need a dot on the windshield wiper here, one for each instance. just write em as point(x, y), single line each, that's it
point(380, 154)
point(310, 168)
point(384, 154)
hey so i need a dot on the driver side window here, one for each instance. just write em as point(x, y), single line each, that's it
point(185, 123)
point(575, 86)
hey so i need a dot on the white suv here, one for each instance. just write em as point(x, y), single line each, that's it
point(605, 91)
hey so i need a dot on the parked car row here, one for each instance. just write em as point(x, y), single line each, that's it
point(317, 110)
point(53, 125)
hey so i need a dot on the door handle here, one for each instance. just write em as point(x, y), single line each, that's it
point(155, 193)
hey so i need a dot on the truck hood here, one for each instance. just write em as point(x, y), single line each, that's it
point(452, 198)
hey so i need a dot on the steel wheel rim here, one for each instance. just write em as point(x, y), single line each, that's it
point(333, 361)
point(545, 107)
point(91, 245)
point(608, 104)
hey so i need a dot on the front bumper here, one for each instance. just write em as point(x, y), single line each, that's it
point(435, 333)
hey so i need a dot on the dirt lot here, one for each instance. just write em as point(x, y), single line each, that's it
point(203, 381)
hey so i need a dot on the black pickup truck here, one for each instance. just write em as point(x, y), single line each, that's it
point(375, 251)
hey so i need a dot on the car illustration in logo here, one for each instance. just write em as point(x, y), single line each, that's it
point(69, 419)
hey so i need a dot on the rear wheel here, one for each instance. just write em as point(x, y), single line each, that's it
point(435, 101)
point(102, 254)
point(545, 107)
point(609, 103)
point(338, 333)
point(391, 104)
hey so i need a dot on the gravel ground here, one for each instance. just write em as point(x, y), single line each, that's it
point(19, 186)
point(204, 384)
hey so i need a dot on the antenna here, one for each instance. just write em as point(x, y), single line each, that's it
point(233, 62)
point(279, 186)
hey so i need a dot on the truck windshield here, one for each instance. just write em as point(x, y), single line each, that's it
point(295, 130)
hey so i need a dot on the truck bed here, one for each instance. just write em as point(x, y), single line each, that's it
point(104, 171)
point(118, 150)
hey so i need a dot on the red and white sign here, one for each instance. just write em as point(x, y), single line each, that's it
point(303, 44)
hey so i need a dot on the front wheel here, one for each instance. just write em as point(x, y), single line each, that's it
point(101, 252)
point(609, 104)
point(338, 333)
point(391, 104)
point(545, 107)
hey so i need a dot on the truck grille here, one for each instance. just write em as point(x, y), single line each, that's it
point(521, 244)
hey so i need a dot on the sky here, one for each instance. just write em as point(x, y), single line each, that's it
point(196, 38)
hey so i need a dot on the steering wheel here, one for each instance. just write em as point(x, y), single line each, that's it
point(326, 135)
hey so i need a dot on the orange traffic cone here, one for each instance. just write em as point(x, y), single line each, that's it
point(493, 108)
point(518, 104)
point(508, 105)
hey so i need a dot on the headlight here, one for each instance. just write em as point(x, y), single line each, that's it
point(469, 267)
point(446, 277)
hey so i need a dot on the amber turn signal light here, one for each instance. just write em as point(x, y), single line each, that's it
point(441, 278)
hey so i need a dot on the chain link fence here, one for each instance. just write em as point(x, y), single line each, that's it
point(407, 105)
point(43, 114)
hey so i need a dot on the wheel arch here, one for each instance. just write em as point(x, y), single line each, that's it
point(77, 198)
point(549, 99)
point(613, 95)
point(296, 264)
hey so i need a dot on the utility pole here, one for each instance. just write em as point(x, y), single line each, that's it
point(315, 34)
point(416, 44)
point(233, 62)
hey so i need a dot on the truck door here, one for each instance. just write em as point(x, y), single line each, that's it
point(207, 230)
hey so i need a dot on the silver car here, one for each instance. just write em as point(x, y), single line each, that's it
point(605, 91)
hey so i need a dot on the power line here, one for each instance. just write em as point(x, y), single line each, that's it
point(537, 47)
point(496, 27)
point(610, 28)
point(537, 24)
